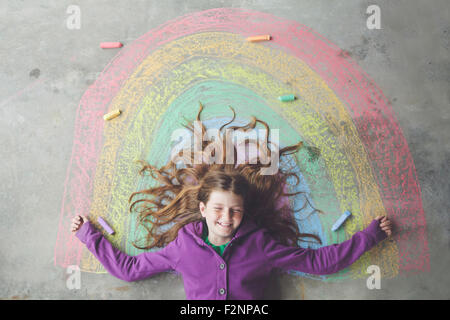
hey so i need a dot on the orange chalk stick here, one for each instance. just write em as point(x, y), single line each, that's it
point(259, 38)
point(107, 45)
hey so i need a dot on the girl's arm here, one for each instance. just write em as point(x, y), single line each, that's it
point(325, 260)
point(123, 266)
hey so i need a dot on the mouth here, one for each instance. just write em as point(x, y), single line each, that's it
point(225, 226)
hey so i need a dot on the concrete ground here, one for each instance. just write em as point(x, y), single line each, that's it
point(40, 89)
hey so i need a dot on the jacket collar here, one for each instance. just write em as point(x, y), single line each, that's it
point(196, 229)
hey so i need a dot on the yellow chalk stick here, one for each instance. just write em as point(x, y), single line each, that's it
point(259, 38)
point(111, 115)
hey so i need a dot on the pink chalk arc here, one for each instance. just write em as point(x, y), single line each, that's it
point(371, 112)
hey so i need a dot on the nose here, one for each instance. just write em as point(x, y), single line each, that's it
point(227, 214)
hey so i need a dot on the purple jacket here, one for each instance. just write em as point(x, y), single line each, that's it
point(241, 273)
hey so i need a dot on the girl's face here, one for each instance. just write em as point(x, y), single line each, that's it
point(223, 212)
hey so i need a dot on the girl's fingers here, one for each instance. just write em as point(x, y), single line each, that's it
point(74, 226)
point(382, 219)
point(78, 219)
point(77, 222)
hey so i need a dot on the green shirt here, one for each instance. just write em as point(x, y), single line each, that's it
point(218, 249)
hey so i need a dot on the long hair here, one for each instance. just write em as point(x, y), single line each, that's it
point(174, 202)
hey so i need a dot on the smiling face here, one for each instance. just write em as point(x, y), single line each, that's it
point(223, 213)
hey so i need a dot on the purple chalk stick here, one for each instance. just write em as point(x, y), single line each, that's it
point(105, 225)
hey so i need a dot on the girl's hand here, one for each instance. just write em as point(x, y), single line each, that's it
point(385, 224)
point(77, 222)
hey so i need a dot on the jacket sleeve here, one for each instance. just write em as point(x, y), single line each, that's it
point(325, 260)
point(123, 266)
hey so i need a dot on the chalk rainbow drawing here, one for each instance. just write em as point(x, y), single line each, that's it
point(364, 165)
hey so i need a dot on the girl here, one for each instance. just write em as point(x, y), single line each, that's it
point(230, 228)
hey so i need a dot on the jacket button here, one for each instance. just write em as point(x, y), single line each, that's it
point(222, 291)
point(222, 266)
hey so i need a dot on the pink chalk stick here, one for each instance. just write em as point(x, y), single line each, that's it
point(105, 225)
point(107, 45)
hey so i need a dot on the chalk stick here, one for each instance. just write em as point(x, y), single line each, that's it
point(111, 115)
point(109, 45)
point(288, 97)
point(259, 38)
point(105, 225)
point(341, 220)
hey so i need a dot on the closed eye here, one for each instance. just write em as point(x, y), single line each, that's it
point(234, 210)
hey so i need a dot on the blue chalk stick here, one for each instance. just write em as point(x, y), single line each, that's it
point(341, 220)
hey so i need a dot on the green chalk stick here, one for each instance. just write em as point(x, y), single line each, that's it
point(289, 97)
